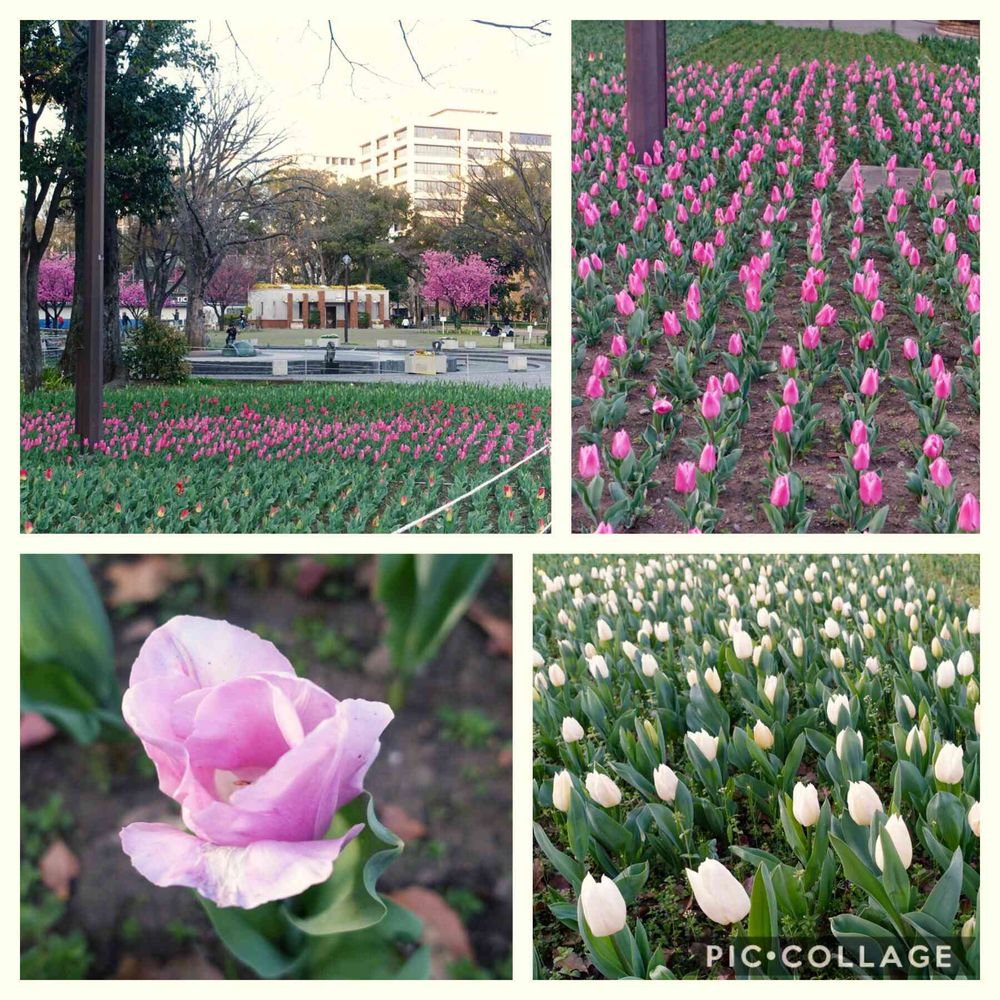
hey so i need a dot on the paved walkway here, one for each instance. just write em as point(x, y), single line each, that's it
point(905, 29)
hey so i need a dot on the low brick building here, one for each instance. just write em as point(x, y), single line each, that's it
point(317, 307)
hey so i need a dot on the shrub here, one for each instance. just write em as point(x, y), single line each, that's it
point(157, 351)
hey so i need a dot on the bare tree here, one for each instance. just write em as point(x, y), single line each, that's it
point(154, 250)
point(510, 200)
point(227, 167)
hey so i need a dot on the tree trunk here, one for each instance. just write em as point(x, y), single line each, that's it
point(194, 323)
point(31, 339)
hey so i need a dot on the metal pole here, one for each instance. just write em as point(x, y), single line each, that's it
point(90, 364)
point(646, 80)
point(347, 307)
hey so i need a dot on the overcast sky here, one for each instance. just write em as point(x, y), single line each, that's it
point(484, 66)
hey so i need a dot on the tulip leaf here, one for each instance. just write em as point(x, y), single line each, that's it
point(349, 900)
point(601, 950)
point(943, 901)
point(253, 935)
point(570, 870)
point(577, 827)
point(858, 873)
point(762, 921)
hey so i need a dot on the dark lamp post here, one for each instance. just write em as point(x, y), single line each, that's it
point(346, 261)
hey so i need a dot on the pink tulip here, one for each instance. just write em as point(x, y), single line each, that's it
point(686, 477)
point(601, 367)
point(595, 388)
point(910, 349)
point(619, 347)
point(826, 316)
point(942, 386)
point(940, 473)
point(869, 382)
point(862, 457)
point(621, 446)
point(933, 445)
point(787, 358)
point(866, 341)
point(671, 324)
point(730, 384)
point(810, 339)
point(870, 488)
point(711, 405)
point(706, 462)
point(782, 423)
point(781, 492)
point(624, 303)
point(735, 344)
point(968, 513)
point(589, 461)
point(259, 760)
point(859, 433)
point(604, 529)
point(662, 406)
point(790, 393)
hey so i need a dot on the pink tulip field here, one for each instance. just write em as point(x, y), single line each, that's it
point(288, 458)
point(776, 310)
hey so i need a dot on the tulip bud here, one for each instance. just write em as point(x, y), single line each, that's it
point(630, 650)
point(603, 790)
point(918, 659)
point(654, 736)
point(972, 622)
point(863, 802)
point(977, 711)
point(968, 931)
point(713, 680)
point(665, 782)
point(842, 736)
point(706, 743)
point(895, 827)
point(718, 893)
point(649, 664)
point(831, 629)
point(557, 676)
point(945, 674)
point(603, 905)
point(916, 734)
point(742, 645)
point(763, 736)
point(770, 687)
point(805, 803)
point(562, 786)
point(937, 649)
point(948, 768)
point(872, 665)
point(911, 709)
point(966, 664)
point(973, 817)
point(571, 730)
point(834, 705)
point(604, 632)
point(798, 646)
point(837, 658)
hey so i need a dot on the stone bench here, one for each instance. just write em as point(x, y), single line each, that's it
point(399, 343)
point(517, 363)
point(381, 343)
point(279, 366)
point(470, 343)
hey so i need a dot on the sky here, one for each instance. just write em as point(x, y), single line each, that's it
point(285, 61)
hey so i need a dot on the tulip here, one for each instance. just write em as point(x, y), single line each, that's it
point(589, 461)
point(842, 737)
point(557, 676)
point(572, 731)
point(771, 687)
point(742, 645)
point(686, 477)
point(966, 664)
point(973, 817)
point(621, 446)
point(869, 382)
point(665, 782)
point(713, 680)
point(916, 735)
point(706, 743)
point(972, 621)
point(834, 706)
point(918, 659)
point(911, 709)
point(604, 632)
point(933, 445)
point(781, 491)
point(895, 827)
point(948, 768)
point(562, 786)
point(945, 674)
point(711, 405)
point(603, 905)
point(870, 488)
point(662, 631)
point(940, 473)
point(603, 790)
point(649, 664)
point(968, 513)
point(718, 893)
point(782, 423)
point(863, 802)
point(763, 736)
point(805, 803)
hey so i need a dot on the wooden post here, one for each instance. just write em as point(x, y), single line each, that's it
point(90, 364)
point(646, 80)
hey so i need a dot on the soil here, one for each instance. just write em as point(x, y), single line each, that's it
point(449, 799)
point(898, 434)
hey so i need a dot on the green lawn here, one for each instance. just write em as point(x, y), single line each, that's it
point(368, 338)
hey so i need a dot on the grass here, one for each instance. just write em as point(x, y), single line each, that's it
point(606, 39)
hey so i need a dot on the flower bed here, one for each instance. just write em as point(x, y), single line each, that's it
point(760, 750)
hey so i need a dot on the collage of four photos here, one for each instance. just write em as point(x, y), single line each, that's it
point(288, 276)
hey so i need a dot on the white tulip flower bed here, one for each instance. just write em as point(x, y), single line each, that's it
point(762, 766)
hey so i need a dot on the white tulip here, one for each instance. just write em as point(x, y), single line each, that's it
point(974, 819)
point(706, 743)
point(603, 905)
point(713, 680)
point(918, 659)
point(603, 790)
point(805, 803)
point(972, 622)
point(742, 645)
point(872, 665)
point(562, 785)
point(966, 664)
point(662, 631)
point(665, 782)
point(863, 802)
point(630, 650)
point(976, 712)
point(571, 729)
point(831, 629)
point(841, 736)
point(692, 677)
point(763, 736)
point(948, 768)
point(719, 894)
point(837, 658)
point(770, 687)
point(911, 709)
point(604, 632)
point(649, 664)
point(798, 646)
point(900, 837)
point(763, 618)
point(557, 676)
point(834, 705)
point(916, 734)
point(945, 674)
point(598, 667)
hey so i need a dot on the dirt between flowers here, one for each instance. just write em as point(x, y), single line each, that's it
point(444, 788)
point(899, 432)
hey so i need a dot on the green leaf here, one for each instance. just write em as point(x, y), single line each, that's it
point(348, 900)
point(857, 872)
point(251, 936)
point(577, 826)
point(570, 870)
point(424, 597)
point(943, 902)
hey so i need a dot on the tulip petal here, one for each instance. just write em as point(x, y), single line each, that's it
point(298, 797)
point(231, 876)
point(208, 651)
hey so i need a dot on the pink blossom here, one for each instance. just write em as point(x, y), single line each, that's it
point(870, 488)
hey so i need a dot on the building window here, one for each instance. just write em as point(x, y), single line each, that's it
point(436, 132)
point(366, 165)
point(530, 139)
point(448, 188)
point(399, 171)
point(382, 143)
point(482, 135)
point(477, 154)
point(399, 133)
point(442, 152)
point(381, 159)
point(366, 149)
point(436, 169)
point(436, 205)
point(399, 153)
point(383, 176)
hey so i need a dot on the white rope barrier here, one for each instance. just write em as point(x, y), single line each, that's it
point(475, 489)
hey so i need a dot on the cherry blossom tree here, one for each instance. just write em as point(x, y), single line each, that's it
point(132, 296)
point(461, 283)
point(55, 286)
point(230, 285)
